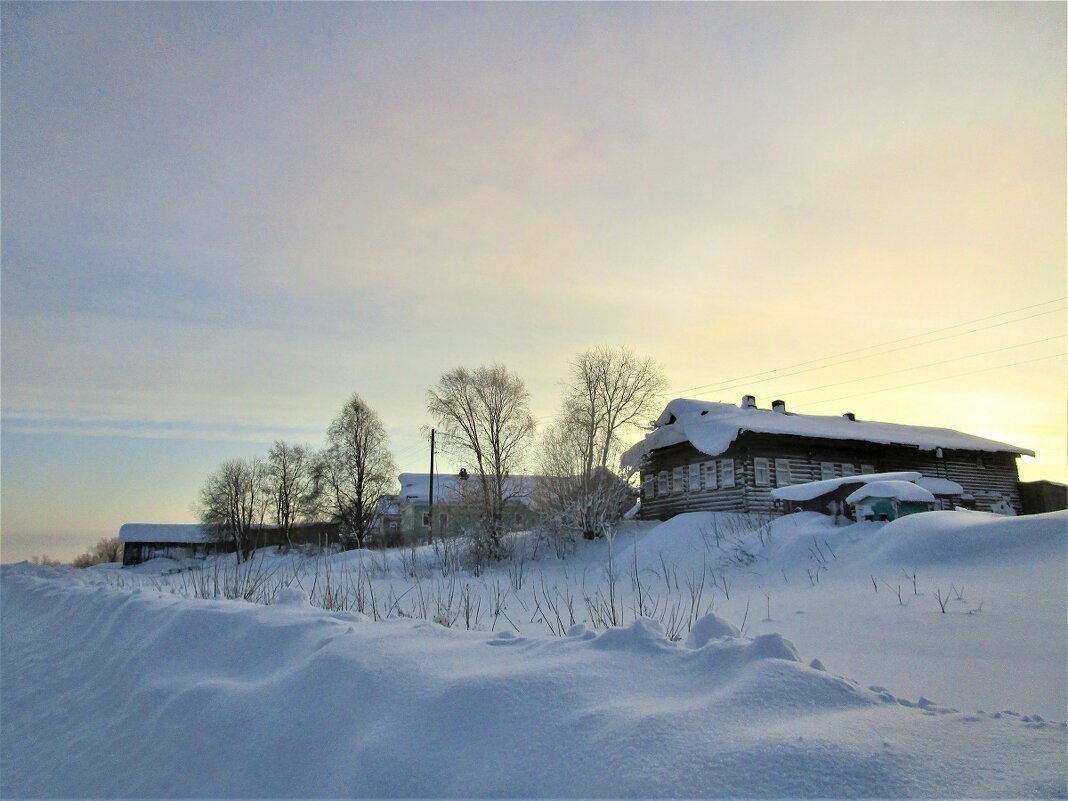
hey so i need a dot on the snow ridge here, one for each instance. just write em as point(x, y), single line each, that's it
point(137, 694)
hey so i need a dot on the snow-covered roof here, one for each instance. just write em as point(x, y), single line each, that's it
point(897, 490)
point(450, 488)
point(814, 489)
point(711, 427)
point(163, 532)
point(940, 486)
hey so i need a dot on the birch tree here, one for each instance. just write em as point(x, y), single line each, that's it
point(607, 391)
point(484, 414)
point(356, 468)
point(290, 485)
point(231, 502)
point(581, 487)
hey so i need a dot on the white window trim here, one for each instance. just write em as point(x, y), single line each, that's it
point(782, 473)
point(693, 479)
point(761, 471)
point(727, 470)
point(678, 479)
point(709, 477)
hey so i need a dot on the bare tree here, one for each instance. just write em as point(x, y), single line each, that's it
point(232, 502)
point(485, 414)
point(107, 549)
point(356, 469)
point(573, 497)
point(290, 486)
point(608, 390)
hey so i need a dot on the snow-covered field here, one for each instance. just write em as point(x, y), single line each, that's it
point(796, 658)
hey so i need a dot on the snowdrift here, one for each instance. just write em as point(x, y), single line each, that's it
point(111, 693)
point(962, 537)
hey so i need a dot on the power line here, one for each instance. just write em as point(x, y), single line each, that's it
point(884, 352)
point(932, 380)
point(720, 385)
point(917, 367)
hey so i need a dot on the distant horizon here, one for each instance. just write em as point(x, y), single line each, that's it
point(219, 221)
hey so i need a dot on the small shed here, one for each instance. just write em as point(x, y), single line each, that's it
point(829, 496)
point(889, 500)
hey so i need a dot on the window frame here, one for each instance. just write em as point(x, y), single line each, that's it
point(709, 469)
point(726, 468)
point(782, 473)
point(761, 471)
point(693, 478)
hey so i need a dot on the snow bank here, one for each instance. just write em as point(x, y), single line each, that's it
point(132, 694)
point(960, 537)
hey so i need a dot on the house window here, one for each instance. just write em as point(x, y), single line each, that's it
point(980, 462)
point(867, 469)
point(663, 483)
point(761, 471)
point(710, 475)
point(678, 479)
point(848, 470)
point(517, 518)
point(782, 473)
point(426, 519)
point(726, 468)
point(694, 483)
point(649, 487)
point(826, 470)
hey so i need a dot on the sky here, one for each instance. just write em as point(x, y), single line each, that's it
point(219, 221)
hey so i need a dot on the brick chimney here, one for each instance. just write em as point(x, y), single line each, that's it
point(748, 402)
point(778, 406)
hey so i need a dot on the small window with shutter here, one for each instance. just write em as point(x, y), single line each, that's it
point(826, 470)
point(867, 469)
point(726, 471)
point(782, 473)
point(849, 470)
point(694, 483)
point(663, 483)
point(649, 487)
point(761, 471)
point(678, 480)
point(710, 475)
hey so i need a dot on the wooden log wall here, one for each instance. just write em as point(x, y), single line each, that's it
point(995, 481)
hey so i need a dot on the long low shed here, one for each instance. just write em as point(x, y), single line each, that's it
point(144, 541)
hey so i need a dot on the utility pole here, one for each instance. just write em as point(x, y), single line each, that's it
point(430, 539)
